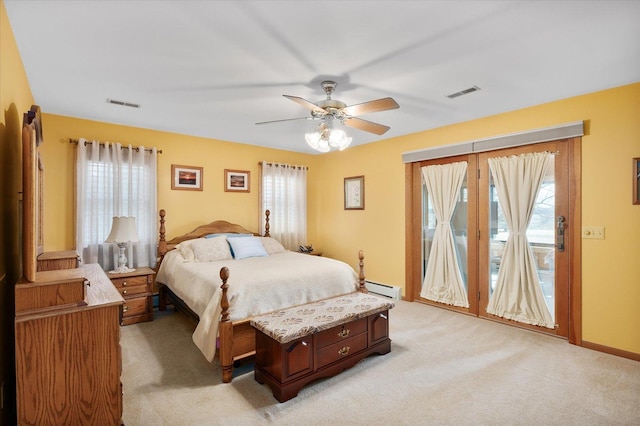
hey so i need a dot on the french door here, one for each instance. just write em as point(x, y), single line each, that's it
point(479, 231)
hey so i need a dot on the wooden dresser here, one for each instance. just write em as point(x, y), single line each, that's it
point(68, 357)
point(137, 289)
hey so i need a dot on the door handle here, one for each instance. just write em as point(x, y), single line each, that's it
point(560, 234)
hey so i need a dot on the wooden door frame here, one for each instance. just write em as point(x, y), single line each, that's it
point(413, 251)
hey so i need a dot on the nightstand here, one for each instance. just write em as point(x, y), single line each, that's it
point(136, 288)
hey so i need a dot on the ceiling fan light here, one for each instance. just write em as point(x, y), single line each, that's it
point(312, 139)
point(323, 146)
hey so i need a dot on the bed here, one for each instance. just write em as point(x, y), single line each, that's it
point(223, 290)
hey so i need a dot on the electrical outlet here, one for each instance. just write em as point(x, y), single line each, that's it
point(593, 232)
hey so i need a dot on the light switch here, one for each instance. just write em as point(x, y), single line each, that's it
point(593, 232)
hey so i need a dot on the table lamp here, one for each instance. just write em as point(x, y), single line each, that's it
point(123, 230)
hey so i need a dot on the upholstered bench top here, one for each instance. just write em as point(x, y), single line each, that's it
point(292, 323)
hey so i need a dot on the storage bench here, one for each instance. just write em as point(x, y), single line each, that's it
point(297, 345)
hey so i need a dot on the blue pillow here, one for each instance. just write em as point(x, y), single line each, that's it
point(246, 247)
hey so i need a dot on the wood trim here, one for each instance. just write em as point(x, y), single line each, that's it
point(575, 272)
point(609, 350)
point(409, 251)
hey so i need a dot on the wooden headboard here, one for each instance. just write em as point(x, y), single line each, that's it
point(216, 227)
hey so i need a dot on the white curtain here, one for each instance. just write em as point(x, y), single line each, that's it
point(112, 180)
point(517, 294)
point(284, 193)
point(443, 281)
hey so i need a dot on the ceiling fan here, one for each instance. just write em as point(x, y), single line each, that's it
point(329, 110)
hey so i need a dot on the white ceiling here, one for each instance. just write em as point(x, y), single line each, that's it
point(214, 68)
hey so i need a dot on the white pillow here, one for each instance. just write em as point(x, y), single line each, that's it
point(186, 250)
point(211, 249)
point(247, 247)
point(272, 246)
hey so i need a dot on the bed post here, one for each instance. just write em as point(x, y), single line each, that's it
point(361, 287)
point(162, 242)
point(266, 224)
point(225, 331)
point(162, 250)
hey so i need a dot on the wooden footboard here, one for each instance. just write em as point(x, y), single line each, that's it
point(236, 340)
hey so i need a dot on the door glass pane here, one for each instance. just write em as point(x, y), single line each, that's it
point(458, 225)
point(540, 233)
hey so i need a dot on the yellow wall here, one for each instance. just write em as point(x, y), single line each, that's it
point(609, 267)
point(15, 100)
point(610, 290)
point(185, 209)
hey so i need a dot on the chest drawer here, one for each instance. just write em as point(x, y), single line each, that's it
point(341, 332)
point(340, 350)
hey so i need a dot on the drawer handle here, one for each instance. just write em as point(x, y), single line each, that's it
point(344, 333)
point(124, 291)
point(125, 308)
point(124, 283)
point(344, 351)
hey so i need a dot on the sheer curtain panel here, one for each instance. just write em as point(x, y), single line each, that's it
point(443, 280)
point(284, 194)
point(112, 180)
point(517, 294)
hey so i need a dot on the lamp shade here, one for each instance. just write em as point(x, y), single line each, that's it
point(123, 229)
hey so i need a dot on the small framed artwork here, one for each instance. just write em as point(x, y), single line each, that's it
point(354, 193)
point(636, 181)
point(186, 177)
point(236, 180)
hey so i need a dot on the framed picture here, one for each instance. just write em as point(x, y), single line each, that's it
point(354, 193)
point(186, 177)
point(236, 180)
point(636, 181)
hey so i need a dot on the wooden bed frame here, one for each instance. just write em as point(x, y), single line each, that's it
point(236, 339)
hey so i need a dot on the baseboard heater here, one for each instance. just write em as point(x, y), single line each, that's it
point(390, 291)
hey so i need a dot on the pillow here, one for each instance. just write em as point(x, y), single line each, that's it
point(228, 234)
point(247, 247)
point(272, 246)
point(186, 250)
point(211, 249)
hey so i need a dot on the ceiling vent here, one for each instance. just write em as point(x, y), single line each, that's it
point(463, 92)
point(123, 103)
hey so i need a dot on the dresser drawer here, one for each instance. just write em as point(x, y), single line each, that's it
point(132, 307)
point(341, 332)
point(340, 350)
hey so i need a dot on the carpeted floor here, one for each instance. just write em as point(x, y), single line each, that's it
point(444, 369)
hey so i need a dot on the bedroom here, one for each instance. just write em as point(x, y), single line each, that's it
point(611, 141)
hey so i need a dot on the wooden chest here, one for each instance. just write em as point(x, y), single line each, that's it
point(316, 351)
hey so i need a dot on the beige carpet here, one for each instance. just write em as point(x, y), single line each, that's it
point(444, 369)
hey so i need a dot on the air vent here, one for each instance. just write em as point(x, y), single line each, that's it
point(123, 103)
point(463, 92)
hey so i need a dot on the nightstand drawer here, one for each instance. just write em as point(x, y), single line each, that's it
point(132, 307)
point(129, 281)
point(133, 291)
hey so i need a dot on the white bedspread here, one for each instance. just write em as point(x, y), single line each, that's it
point(256, 285)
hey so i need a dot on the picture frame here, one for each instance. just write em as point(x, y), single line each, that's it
point(354, 193)
point(636, 181)
point(237, 180)
point(187, 178)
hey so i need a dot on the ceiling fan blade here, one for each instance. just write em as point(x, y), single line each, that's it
point(286, 119)
point(305, 103)
point(371, 106)
point(367, 126)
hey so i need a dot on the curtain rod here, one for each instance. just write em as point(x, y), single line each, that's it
point(282, 165)
point(76, 141)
